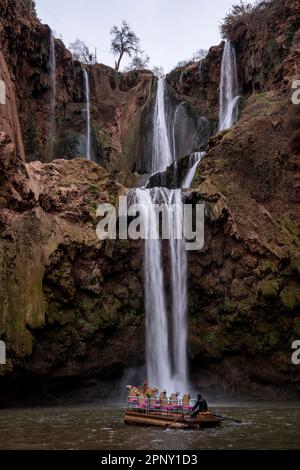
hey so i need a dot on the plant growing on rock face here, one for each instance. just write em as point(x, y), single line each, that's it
point(139, 62)
point(81, 52)
point(124, 41)
point(199, 55)
point(30, 5)
point(238, 13)
point(158, 72)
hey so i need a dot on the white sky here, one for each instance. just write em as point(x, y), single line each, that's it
point(169, 30)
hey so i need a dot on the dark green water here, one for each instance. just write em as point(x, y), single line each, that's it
point(275, 426)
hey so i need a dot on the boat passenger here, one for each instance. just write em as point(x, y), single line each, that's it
point(200, 406)
point(145, 388)
point(186, 402)
point(132, 398)
point(164, 402)
point(154, 402)
point(143, 400)
point(174, 402)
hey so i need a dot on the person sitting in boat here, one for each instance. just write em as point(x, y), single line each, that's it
point(174, 402)
point(132, 397)
point(164, 402)
point(186, 402)
point(200, 406)
point(145, 388)
point(154, 402)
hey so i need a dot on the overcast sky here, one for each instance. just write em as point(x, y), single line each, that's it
point(169, 30)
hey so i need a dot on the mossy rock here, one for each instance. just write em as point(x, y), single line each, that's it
point(268, 267)
point(290, 297)
point(288, 233)
point(269, 288)
point(228, 307)
point(295, 263)
point(296, 327)
point(273, 339)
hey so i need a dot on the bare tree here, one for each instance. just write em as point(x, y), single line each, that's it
point(199, 55)
point(81, 52)
point(139, 62)
point(158, 72)
point(183, 63)
point(124, 41)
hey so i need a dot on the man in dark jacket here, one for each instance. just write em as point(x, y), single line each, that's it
point(200, 406)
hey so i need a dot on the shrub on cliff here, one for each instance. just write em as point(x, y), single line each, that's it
point(81, 52)
point(138, 62)
point(239, 14)
point(30, 5)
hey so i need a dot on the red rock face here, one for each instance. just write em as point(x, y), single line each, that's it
point(117, 100)
point(198, 83)
point(9, 119)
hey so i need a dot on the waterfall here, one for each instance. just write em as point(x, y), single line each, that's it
point(174, 128)
point(88, 115)
point(166, 357)
point(52, 61)
point(166, 325)
point(157, 349)
point(179, 292)
point(228, 89)
point(161, 155)
point(194, 161)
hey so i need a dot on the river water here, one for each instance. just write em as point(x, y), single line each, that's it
point(264, 426)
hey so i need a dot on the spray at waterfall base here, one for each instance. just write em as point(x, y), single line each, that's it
point(134, 220)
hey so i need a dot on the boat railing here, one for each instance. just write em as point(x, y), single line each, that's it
point(149, 405)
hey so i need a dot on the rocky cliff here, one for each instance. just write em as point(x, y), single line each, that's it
point(72, 306)
point(118, 100)
point(246, 282)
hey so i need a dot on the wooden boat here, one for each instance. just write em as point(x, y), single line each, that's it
point(172, 420)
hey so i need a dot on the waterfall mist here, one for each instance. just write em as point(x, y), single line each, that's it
point(228, 89)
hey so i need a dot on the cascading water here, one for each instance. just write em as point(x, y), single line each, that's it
point(179, 290)
point(161, 155)
point(88, 115)
point(166, 358)
point(165, 340)
point(157, 349)
point(174, 130)
point(52, 61)
point(228, 89)
point(194, 161)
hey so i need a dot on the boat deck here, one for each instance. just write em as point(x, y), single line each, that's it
point(165, 419)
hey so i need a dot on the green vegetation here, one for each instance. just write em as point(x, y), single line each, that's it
point(269, 289)
point(30, 5)
point(268, 266)
point(289, 35)
point(290, 297)
point(238, 13)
